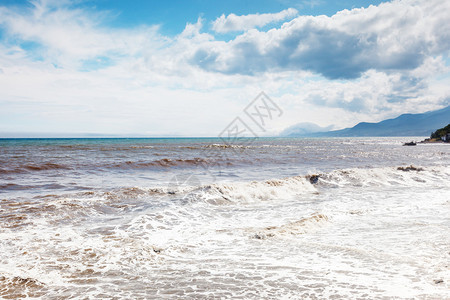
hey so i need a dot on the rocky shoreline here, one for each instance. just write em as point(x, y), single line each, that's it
point(441, 135)
point(433, 141)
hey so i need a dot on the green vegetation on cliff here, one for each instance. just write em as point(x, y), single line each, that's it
point(440, 132)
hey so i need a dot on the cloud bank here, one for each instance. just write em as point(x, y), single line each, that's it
point(392, 36)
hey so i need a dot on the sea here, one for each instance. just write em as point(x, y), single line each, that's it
point(203, 218)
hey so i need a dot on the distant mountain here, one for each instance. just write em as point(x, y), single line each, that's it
point(302, 129)
point(404, 125)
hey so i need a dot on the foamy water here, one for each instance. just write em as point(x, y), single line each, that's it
point(281, 218)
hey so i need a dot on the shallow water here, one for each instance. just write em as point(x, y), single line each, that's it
point(197, 218)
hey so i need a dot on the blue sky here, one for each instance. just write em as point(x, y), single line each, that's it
point(152, 68)
point(173, 15)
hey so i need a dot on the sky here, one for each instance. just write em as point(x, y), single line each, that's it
point(189, 68)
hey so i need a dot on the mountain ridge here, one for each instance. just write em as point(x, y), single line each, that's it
point(421, 124)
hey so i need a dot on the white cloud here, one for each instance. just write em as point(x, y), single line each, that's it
point(233, 22)
point(398, 35)
point(69, 36)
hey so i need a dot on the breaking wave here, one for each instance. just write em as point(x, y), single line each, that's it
point(287, 188)
point(388, 176)
point(224, 193)
point(228, 193)
point(302, 226)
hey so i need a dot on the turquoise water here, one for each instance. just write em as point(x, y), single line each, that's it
point(98, 163)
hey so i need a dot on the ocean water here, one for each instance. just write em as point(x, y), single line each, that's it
point(272, 218)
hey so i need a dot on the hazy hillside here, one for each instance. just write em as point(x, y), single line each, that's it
point(404, 125)
point(302, 129)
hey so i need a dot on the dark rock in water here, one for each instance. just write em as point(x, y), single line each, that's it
point(259, 236)
point(157, 250)
point(437, 281)
point(314, 179)
point(410, 168)
point(262, 236)
point(410, 144)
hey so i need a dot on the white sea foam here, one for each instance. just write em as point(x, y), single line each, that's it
point(352, 233)
point(246, 192)
point(388, 176)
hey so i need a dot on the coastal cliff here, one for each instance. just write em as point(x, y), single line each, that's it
point(441, 135)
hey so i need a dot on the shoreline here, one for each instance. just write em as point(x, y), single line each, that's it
point(433, 141)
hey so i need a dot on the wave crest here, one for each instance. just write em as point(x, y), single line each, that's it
point(305, 225)
point(35, 167)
